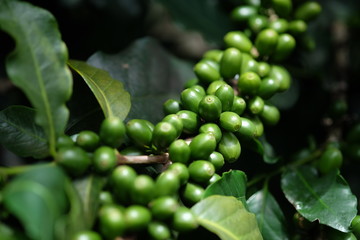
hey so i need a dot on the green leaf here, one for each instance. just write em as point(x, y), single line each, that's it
point(89, 189)
point(38, 64)
point(268, 213)
point(327, 198)
point(110, 93)
point(262, 147)
point(20, 134)
point(37, 198)
point(232, 183)
point(149, 73)
point(226, 217)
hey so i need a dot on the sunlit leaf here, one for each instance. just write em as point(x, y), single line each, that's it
point(325, 198)
point(226, 217)
point(38, 64)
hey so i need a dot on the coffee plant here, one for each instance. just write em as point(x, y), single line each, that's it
point(208, 144)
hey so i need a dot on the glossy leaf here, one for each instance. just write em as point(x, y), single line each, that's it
point(232, 183)
point(20, 134)
point(37, 198)
point(268, 213)
point(226, 217)
point(38, 64)
point(262, 147)
point(110, 93)
point(327, 198)
point(149, 73)
point(89, 189)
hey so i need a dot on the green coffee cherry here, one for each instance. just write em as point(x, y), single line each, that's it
point(249, 83)
point(111, 221)
point(282, 7)
point(87, 235)
point(181, 170)
point(184, 220)
point(142, 189)
point(308, 11)
point(104, 159)
point(112, 132)
point(167, 184)
point(355, 225)
point(190, 99)
point(158, 231)
point(297, 27)
point(226, 95)
point(211, 128)
point(229, 147)
point(163, 208)
point(106, 197)
point(270, 115)
point(338, 108)
point(214, 178)
point(163, 135)
point(217, 159)
point(171, 106)
point(179, 151)
point(247, 130)
point(238, 40)
point(213, 54)
point(266, 41)
point(74, 160)
point(331, 159)
point(239, 105)
point(284, 47)
point(281, 75)
point(214, 86)
point(230, 63)
point(268, 87)
point(64, 141)
point(210, 108)
point(280, 25)
point(192, 193)
point(201, 171)
point(199, 89)
point(206, 73)
point(257, 23)
point(243, 13)
point(121, 180)
point(174, 120)
point(202, 145)
point(259, 126)
point(87, 140)
point(137, 217)
point(353, 135)
point(139, 132)
point(230, 121)
point(214, 64)
point(263, 69)
point(190, 120)
point(248, 64)
point(256, 105)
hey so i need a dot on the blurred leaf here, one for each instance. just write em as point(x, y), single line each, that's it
point(8, 233)
point(20, 134)
point(149, 73)
point(286, 100)
point(327, 198)
point(196, 15)
point(37, 198)
point(232, 183)
point(113, 99)
point(268, 213)
point(262, 147)
point(226, 217)
point(89, 189)
point(38, 64)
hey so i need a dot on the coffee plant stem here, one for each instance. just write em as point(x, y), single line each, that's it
point(142, 159)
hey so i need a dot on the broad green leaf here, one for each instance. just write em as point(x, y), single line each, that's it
point(268, 213)
point(20, 134)
point(232, 183)
point(325, 198)
point(112, 97)
point(38, 64)
point(149, 73)
point(37, 198)
point(227, 217)
point(7, 233)
point(89, 189)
